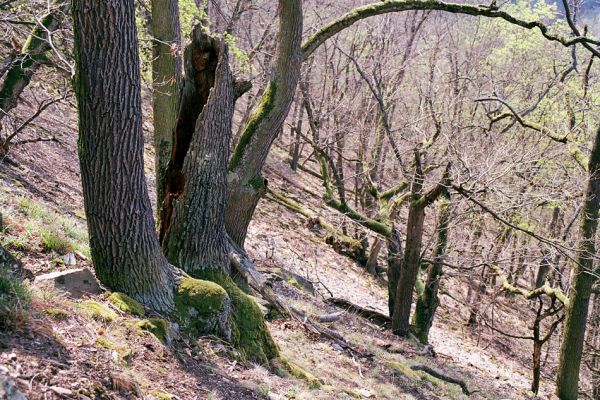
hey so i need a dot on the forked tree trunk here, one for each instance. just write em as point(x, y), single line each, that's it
point(124, 246)
point(166, 84)
point(583, 278)
point(193, 224)
point(428, 302)
point(246, 185)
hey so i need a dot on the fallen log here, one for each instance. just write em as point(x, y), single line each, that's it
point(443, 377)
point(371, 315)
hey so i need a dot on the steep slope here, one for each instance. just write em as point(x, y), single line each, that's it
point(64, 351)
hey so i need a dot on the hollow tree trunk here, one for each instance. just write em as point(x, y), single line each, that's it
point(23, 67)
point(194, 234)
point(125, 249)
point(246, 185)
point(583, 277)
point(428, 302)
point(166, 83)
point(193, 224)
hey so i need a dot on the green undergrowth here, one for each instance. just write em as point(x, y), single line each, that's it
point(96, 310)
point(30, 225)
point(15, 298)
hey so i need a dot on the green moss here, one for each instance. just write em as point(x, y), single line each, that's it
point(203, 296)
point(267, 102)
point(57, 313)
point(403, 369)
point(97, 311)
point(288, 367)
point(156, 326)
point(162, 396)
point(249, 332)
point(352, 393)
point(294, 282)
point(124, 352)
point(126, 304)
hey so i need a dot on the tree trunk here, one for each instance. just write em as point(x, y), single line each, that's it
point(193, 228)
point(594, 341)
point(22, 68)
point(247, 185)
point(123, 242)
point(546, 263)
point(193, 233)
point(166, 84)
point(428, 302)
point(394, 261)
point(583, 277)
point(373, 255)
point(412, 258)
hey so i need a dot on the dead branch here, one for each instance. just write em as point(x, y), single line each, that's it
point(443, 377)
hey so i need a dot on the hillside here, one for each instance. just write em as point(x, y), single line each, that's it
point(64, 348)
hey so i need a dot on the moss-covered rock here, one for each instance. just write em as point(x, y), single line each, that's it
point(98, 311)
point(286, 368)
point(249, 333)
point(203, 307)
point(57, 313)
point(123, 352)
point(126, 304)
point(156, 326)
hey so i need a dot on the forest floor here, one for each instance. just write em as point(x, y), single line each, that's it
point(62, 350)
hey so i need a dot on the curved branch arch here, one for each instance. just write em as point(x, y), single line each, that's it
point(391, 6)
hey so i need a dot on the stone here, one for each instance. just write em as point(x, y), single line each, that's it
point(61, 391)
point(74, 282)
point(69, 259)
point(8, 389)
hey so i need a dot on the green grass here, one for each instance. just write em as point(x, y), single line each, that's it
point(14, 299)
point(33, 226)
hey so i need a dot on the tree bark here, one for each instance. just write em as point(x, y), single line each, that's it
point(428, 302)
point(394, 261)
point(247, 185)
point(166, 84)
point(194, 234)
point(123, 242)
point(583, 278)
point(410, 267)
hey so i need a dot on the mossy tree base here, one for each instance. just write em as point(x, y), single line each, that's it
point(216, 305)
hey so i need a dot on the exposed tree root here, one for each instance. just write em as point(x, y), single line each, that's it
point(242, 264)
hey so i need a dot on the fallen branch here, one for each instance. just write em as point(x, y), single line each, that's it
point(445, 378)
point(371, 315)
